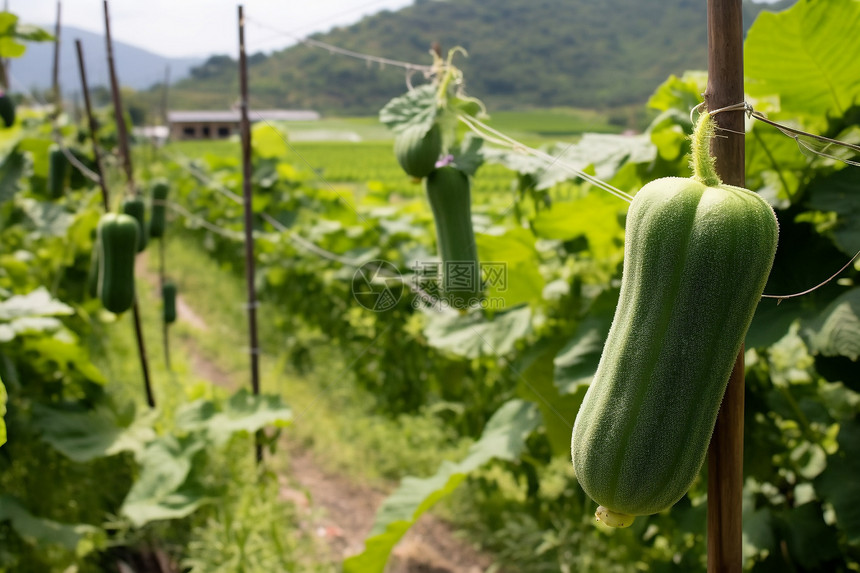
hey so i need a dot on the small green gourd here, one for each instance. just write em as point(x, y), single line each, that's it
point(158, 213)
point(168, 296)
point(696, 260)
point(417, 149)
point(58, 166)
point(136, 208)
point(7, 110)
point(450, 200)
point(117, 239)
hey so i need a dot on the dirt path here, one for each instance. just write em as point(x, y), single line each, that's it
point(341, 512)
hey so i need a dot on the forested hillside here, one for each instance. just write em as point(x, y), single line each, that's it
point(541, 53)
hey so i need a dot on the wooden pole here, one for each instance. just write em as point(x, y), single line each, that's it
point(725, 455)
point(164, 93)
point(122, 134)
point(55, 83)
point(122, 131)
point(97, 156)
point(245, 128)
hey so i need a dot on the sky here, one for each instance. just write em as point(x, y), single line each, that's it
point(180, 28)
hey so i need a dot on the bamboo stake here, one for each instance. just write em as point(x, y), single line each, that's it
point(97, 156)
point(245, 128)
point(122, 133)
point(725, 454)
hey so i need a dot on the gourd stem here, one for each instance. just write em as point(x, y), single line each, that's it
point(702, 162)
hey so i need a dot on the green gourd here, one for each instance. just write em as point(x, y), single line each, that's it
point(417, 149)
point(158, 212)
point(696, 260)
point(168, 296)
point(58, 166)
point(118, 237)
point(450, 200)
point(7, 110)
point(136, 208)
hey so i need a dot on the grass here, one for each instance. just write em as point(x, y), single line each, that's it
point(327, 406)
point(233, 531)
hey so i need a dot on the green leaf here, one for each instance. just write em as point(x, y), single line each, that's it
point(39, 532)
point(85, 435)
point(163, 490)
point(600, 154)
point(838, 193)
point(513, 262)
point(504, 438)
point(810, 541)
point(36, 303)
point(838, 484)
point(268, 141)
point(415, 107)
point(682, 93)
point(807, 55)
point(467, 155)
point(836, 331)
point(243, 413)
point(472, 335)
point(32, 33)
point(535, 382)
point(11, 48)
point(577, 361)
point(594, 217)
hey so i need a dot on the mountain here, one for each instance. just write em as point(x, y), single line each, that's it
point(137, 68)
point(542, 53)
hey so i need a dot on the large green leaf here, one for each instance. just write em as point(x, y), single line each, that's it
point(514, 256)
point(836, 330)
point(577, 361)
point(415, 107)
point(838, 193)
point(504, 438)
point(839, 486)
point(472, 335)
point(40, 532)
point(36, 303)
point(244, 412)
point(808, 55)
point(594, 217)
point(535, 382)
point(164, 489)
point(86, 435)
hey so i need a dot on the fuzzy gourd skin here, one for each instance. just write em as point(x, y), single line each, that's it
point(417, 151)
point(158, 213)
point(450, 199)
point(58, 165)
point(7, 110)
point(168, 296)
point(117, 249)
point(136, 209)
point(696, 260)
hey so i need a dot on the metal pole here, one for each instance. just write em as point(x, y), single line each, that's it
point(725, 455)
point(245, 128)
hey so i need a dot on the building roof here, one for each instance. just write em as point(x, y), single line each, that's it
point(233, 116)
